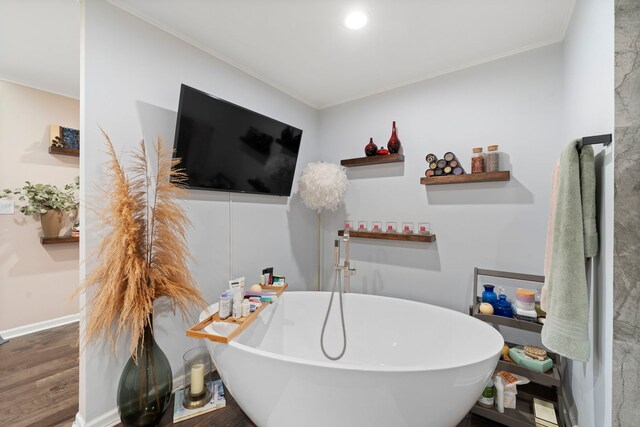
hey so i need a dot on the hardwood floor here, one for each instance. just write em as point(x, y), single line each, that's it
point(39, 378)
point(39, 386)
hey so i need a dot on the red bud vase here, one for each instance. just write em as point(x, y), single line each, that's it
point(394, 143)
point(371, 148)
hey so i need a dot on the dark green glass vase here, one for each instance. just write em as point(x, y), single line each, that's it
point(145, 385)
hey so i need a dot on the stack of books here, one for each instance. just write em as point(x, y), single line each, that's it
point(545, 413)
point(180, 413)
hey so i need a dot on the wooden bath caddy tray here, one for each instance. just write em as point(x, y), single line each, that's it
point(242, 322)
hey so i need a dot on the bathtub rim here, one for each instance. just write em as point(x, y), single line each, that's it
point(352, 366)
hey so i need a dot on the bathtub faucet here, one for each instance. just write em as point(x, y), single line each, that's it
point(345, 267)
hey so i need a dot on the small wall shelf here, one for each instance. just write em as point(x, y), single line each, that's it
point(75, 152)
point(58, 240)
point(373, 160)
point(427, 238)
point(469, 177)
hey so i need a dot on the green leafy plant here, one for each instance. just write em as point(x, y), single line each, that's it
point(41, 198)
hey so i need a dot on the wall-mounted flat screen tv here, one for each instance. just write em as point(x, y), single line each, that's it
point(225, 147)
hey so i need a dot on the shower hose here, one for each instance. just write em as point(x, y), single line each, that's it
point(326, 318)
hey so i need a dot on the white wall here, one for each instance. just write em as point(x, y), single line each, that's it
point(131, 79)
point(589, 110)
point(36, 281)
point(514, 102)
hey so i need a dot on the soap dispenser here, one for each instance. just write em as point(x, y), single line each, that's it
point(503, 307)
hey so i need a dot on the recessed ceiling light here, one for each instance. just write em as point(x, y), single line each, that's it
point(356, 20)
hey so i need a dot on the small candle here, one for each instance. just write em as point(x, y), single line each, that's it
point(197, 379)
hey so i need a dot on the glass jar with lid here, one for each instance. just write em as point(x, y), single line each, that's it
point(477, 161)
point(492, 159)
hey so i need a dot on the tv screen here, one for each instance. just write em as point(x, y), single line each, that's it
point(225, 147)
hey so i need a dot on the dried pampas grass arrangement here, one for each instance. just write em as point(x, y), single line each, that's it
point(144, 254)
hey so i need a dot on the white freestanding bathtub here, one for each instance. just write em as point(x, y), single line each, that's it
point(406, 363)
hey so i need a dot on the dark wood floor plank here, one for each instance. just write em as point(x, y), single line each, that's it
point(33, 374)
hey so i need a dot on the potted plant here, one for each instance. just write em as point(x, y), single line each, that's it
point(142, 258)
point(49, 202)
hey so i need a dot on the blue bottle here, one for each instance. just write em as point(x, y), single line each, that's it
point(503, 307)
point(489, 296)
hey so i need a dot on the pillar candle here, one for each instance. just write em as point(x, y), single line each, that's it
point(197, 379)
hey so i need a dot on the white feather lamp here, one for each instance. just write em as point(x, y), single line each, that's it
point(322, 186)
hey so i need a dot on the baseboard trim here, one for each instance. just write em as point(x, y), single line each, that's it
point(40, 326)
point(108, 419)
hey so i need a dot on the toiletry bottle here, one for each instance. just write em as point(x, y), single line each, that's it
point(224, 309)
point(246, 308)
point(499, 396)
point(236, 308)
point(487, 397)
point(503, 307)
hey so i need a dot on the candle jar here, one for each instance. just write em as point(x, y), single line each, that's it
point(424, 228)
point(197, 376)
point(348, 225)
point(376, 226)
point(407, 228)
point(362, 226)
point(391, 227)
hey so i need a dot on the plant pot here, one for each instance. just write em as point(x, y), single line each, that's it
point(51, 222)
point(145, 385)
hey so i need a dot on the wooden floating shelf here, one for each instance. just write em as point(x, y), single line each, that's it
point(75, 152)
point(58, 240)
point(242, 322)
point(373, 160)
point(512, 322)
point(428, 238)
point(468, 177)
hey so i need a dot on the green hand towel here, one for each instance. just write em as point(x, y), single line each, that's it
point(566, 328)
point(588, 192)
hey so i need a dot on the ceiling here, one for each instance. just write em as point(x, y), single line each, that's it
point(298, 46)
point(40, 44)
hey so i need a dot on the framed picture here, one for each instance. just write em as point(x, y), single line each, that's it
point(63, 137)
